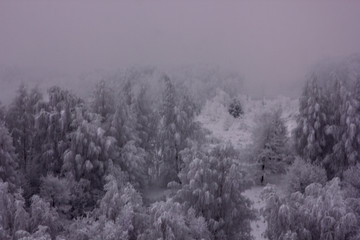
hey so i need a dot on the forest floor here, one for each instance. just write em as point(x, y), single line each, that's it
point(223, 127)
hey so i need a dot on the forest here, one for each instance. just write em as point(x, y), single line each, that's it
point(179, 120)
point(154, 155)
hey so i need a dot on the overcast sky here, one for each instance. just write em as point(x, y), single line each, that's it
point(266, 41)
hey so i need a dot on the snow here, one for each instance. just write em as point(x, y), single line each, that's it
point(258, 226)
point(225, 128)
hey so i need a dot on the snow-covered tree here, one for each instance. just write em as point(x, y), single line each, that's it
point(13, 216)
point(212, 184)
point(176, 126)
point(321, 212)
point(42, 214)
point(344, 129)
point(327, 130)
point(56, 191)
point(82, 197)
point(103, 101)
point(133, 161)
point(86, 160)
point(146, 119)
point(42, 233)
point(301, 174)
point(20, 121)
point(2, 112)
point(167, 130)
point(8, 159)
point(124, 121)
point(170, 220)
point(270, 138)
point(312, 141)
point(235, 108)
point(352, 181)
point(119, 216)
point(90, 150)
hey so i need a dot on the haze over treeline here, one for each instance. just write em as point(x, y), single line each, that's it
point(271, 44)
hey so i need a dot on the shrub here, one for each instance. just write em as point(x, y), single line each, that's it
point(301, 174)
point(235, 108)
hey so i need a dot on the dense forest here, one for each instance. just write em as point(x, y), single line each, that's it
point(134, 160)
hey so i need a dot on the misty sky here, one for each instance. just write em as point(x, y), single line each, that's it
point(266, 41)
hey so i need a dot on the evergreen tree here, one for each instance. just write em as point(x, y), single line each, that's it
point(20, 122)
point(146, 119)
point(2, 112)
point(176, 127)
point(321, 212)
point(42, 214)
point(271, 139)
point(13, 216)
point(212, 184)
point(166, 148)
point(90, 150)
point(311, 140)
point(8, 159)
point(103, 102)
point(56, 192)
point(170, 220)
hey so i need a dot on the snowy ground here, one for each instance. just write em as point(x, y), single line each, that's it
point(224, 127)
point(258, 226)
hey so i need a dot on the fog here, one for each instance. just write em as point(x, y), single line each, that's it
point(179, 120)
point(271, 44)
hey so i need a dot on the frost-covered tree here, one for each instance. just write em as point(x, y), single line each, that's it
point(2, 112)
point(40, 223)
point(8, 159)
point(167, 130)
point(352, 181)
point(42, 214)
point(90, 150)
point(311, 140)
point(124, 122)
point(20, 121)
point(212, 184)
point(119, 216)
point(13, 216)
point(271, 142)
point(42, 233)
point(146, 119)
point(103, 101)
point(235, 108)
point(327, 130)
point(344, 129)
point(133, 161)
point(176, 126)
point(170, 220)
point(86, 160)
point(321, 212)
point(62, 106)
point(56, 191)
point(301, 174)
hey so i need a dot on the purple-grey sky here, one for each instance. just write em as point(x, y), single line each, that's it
point(266, 41)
